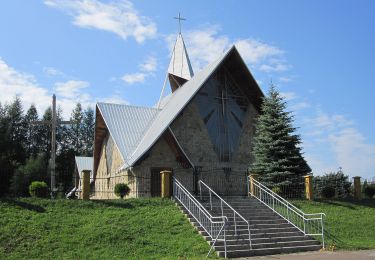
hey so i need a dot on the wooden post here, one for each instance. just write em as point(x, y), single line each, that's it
point(166, 184)
point(253, 176)
point(309, 187)
point(357, 187)
point(86, 185)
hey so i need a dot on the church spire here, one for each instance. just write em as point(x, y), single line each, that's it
point(179, 70)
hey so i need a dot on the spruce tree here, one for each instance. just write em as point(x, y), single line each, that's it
point(276, 149)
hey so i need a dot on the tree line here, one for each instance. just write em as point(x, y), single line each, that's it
point(25, 147)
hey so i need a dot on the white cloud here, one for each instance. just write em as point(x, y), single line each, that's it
point(50, 71)
point(286, 79)
point(115, 99)
point(132, 78)
point(72, 89)
point(335, 141)
point(299, 106)
point(205, 45)
point(150, 65)
point(120, 17)
point(353, 153)
point(15, 83)
point(288, 95)
point(24, 85)
point(146, 69)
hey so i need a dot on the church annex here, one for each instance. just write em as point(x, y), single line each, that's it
point(202, 130)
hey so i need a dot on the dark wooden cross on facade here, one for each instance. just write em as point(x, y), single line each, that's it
point(179, 18)
point(53, 123)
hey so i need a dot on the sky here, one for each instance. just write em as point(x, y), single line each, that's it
point(319, 54)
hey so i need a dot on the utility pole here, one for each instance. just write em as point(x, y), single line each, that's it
point(53, 124)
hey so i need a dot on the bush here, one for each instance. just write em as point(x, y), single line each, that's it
point(38, 189)
point(121, 190)
point(328, 192)
point(336, 180)
point(277, 190)
point(370, 190)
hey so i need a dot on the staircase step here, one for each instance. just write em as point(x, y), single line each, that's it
point(268, 251)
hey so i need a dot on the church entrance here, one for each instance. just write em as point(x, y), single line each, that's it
point(156, 180)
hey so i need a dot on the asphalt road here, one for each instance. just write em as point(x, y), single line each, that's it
point(321, 255)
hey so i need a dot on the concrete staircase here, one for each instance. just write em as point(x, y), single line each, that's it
point(270, 234)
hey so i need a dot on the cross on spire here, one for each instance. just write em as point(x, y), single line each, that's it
point(179, 18)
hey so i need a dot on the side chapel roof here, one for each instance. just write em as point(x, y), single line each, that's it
point(84, 163)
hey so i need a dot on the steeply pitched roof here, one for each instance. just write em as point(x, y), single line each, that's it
point(127, 125)
point(180, 64)
point(136, 129)
point(179, 99)
point(84, 163)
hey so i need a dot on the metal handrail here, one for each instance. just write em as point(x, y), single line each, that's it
point(267, 196)
point(211, 191)
point(213, 225)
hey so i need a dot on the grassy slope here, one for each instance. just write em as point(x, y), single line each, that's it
point(74, 229)
point(351, 224)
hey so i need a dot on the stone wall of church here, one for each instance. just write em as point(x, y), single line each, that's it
point(193, 136)
point(107, 174)
point(160, 156)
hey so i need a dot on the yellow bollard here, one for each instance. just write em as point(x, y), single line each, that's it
point(253, 176)
point(166, 184)
point(309, 187)
point(85, 185)
point(357, 187)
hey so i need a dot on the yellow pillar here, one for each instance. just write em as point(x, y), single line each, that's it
point(166, 184)
point(85, 185)
point(253, 176)
point(309, 187)
point(357, 187)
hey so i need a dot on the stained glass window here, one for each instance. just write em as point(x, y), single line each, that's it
point(222, 106)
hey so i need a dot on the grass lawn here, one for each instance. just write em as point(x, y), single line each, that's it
point(350, 224)
point(75, 229)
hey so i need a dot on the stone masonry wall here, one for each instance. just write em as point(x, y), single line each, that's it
point(193, 136)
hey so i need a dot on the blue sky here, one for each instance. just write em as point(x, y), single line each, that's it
point(320, 54)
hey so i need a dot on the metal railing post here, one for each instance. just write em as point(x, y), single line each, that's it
point(200, 190)
point(321, 216)
point(225, 239)
point(210, 199)
point(235, 224)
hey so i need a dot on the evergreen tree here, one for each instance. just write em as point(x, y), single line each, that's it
point(277, 155)
point(17, 130)
point(77, 129)
point(45, 133)
point(33, 132)
point(88, 132)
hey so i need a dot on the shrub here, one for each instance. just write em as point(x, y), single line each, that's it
point(277, 190)
point(370, 190)
point(336, 180)
point(38, 189)
point(328, 192)
point(121, 190)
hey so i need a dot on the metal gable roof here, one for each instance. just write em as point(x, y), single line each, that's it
point(179, 99)
point(127, 125)
point(84, 163)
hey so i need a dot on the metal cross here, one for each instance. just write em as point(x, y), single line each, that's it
point(53, 122)
point(179, 18)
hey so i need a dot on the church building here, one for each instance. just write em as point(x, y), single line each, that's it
point(202, 130)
